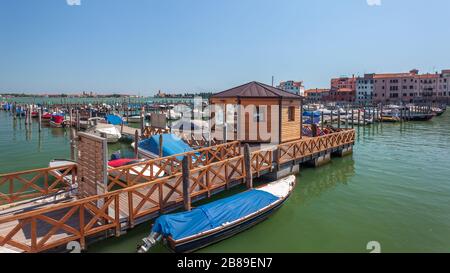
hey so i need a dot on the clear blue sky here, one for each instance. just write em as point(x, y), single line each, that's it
point(210, 45)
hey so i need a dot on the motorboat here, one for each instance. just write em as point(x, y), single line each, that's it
point(437, 111)
point(57, 121)
point(208, 224)
point(114, 119)
point(133, 119)
point(108, 131)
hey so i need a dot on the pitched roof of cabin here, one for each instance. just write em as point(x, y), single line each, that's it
point(256, 90)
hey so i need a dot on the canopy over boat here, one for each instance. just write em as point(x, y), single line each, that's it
point(122, 162)
point(213, 215)
point(113, 119)
point(47, 116)
point(172, 145)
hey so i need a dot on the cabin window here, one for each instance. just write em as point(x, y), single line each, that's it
point(259, 114)
point(291, 113)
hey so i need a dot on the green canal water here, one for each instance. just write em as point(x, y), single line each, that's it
point(394, 189)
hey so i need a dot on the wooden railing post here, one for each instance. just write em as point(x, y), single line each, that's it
point(186, 178)
point(248, 167)
point(82, 227)
point(117, 214)
point(276, 156)
point(314, 130)
point(33, 235)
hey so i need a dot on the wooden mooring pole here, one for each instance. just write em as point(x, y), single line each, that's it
point(161, 143)
point(136, 143)
point(339, 119)
point(353, 117)
point(248, 167)
point(322, 120)
point(40, 120)
point(359, 117)
point(72, 143)
point(346, 117)
point(186, 186)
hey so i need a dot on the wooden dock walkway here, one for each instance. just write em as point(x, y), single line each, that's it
point(51, 225)
point(127, 130)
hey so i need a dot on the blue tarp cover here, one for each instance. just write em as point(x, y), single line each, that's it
point(113, 119)
point(172, 145)
point(212, 215)
point(312, 113)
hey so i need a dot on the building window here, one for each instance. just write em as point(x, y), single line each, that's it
point(291, 113)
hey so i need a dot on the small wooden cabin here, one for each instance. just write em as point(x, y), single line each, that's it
point(258, 113)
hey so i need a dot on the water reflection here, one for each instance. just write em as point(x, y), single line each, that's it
point(58, 132)
point(313, 182)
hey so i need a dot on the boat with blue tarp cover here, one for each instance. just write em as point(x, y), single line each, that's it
point(113, 119)
point(172, 145)
point(218, 220)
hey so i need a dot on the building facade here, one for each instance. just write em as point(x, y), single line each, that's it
point(317, 95)
point(364, 89)
point(292, 87)
point(411, 87)
point(343, 89)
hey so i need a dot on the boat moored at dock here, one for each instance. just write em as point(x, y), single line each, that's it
point(208, 224)
point(108, 131)
point(57, 121)
point(172, 145)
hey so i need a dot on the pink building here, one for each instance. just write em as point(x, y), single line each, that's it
point(410, 87)
point(317, 95)
point(343, 89)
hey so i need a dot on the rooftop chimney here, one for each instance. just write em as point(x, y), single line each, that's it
point(414, 71)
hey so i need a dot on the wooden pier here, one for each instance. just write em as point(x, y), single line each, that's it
point(56, 216)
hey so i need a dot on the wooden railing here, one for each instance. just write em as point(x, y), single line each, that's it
point(150, 131)
point(168, 166)
point(261, 161)
point(308, 146)
point(36, 183)
point(55, 225)
point(46, 228)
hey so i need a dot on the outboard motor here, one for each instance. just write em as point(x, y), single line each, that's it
point(148, 242)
